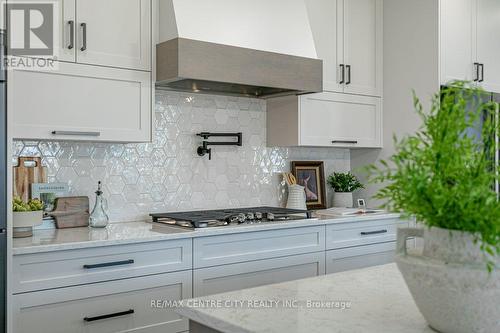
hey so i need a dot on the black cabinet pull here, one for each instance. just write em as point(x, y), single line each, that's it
point(84, 36)
point(345, 141)
point(476, 70)
point(109, 264)
point(482, 73)
point(107, 316)
point(71, 34)
point(366, 233)
point(342, 74)
point(348, 67)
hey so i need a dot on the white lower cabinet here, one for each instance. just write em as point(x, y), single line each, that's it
point(359, 257)
point(226, 278)
point(109, 307)
point(81, 102)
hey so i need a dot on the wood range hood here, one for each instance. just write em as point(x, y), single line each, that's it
point(268, 51)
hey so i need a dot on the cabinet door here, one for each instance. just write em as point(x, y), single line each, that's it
point(340, 120)
point(488, 46)
point(363, 48)
point(359, 257)
point(458, 40)
point(80, 102)
point(219, 279)
point(64, 42)
point(117, 33)
point(326, 17)
point(129, 305)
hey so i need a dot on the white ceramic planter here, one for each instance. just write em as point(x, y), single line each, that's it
point(449, 281)
point(342, 199)
point(23, 223)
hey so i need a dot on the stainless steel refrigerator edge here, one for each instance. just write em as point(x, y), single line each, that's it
point(3, 184)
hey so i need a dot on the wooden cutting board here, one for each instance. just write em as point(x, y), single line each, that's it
point(29, 170)
point(71, 212)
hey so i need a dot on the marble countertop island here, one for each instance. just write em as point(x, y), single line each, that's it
point(368, 300)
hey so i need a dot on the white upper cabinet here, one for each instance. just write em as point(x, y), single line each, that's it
point(114, 33)
point(65, 41)
point(81, 102)
point(458, 40)
point(469, 42)
point(348, 35)
point(488, 45)
point(326, 19)
point(363, 49)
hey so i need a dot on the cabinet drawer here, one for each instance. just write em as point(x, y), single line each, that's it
point(362, 233)
point(80, 102)
point(359, 257)
point(215, 280)
point(228, 249)
point(63, 310)
point(66, 268)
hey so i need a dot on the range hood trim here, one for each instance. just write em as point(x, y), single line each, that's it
point(226, 66)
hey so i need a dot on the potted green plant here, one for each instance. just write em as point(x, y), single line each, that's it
point(343, 184)
point(443, 176)
point(26, 215)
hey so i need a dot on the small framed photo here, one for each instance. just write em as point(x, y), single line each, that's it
point(361, 203)
point(311, 175)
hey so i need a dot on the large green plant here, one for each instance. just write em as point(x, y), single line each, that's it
point(443, 174)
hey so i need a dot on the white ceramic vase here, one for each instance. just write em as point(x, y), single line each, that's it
point(23, 223)
point(296, 197)
point(449, 281)
point(342, 199)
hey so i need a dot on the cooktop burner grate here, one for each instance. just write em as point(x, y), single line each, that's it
point(196, 218)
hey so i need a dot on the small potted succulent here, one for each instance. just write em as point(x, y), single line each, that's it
point(26, 215)
point(343, 184)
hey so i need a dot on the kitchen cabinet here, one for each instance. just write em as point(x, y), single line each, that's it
point(469, 49)
point(114, 33)
point(228, 249)
point(42, 271)
point(359, 257)
point(108, 307)
point(348, 35)
point(226, 278)
point(325, 120)
point(81, 102)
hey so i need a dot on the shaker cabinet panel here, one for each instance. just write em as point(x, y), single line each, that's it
point(114, 33)
point(363, 35)
point(488, 46)
point(64, 42)
point(326, 17)
point(340, 120)
point(79, 102)
point(125, 304)
point(458, 40)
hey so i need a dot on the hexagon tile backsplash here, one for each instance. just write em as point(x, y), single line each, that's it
point(167, 174)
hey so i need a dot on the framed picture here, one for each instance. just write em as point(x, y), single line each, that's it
point(311, 175)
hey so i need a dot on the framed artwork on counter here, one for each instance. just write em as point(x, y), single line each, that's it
point(311, 175)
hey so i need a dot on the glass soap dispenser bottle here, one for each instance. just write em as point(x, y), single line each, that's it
point(98, 217)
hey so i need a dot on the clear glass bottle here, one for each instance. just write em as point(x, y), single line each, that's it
point(98, 217)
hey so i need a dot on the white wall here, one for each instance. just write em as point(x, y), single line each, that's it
point(411, 61)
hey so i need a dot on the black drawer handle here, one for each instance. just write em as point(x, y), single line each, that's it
point(107, 316)
point(345, 141)
point(366, 233)
point(109, 264)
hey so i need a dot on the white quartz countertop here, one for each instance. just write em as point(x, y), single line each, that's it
point(368, 300)
point(139, 232)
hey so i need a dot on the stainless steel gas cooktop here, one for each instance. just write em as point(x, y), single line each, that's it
point(226, 217)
